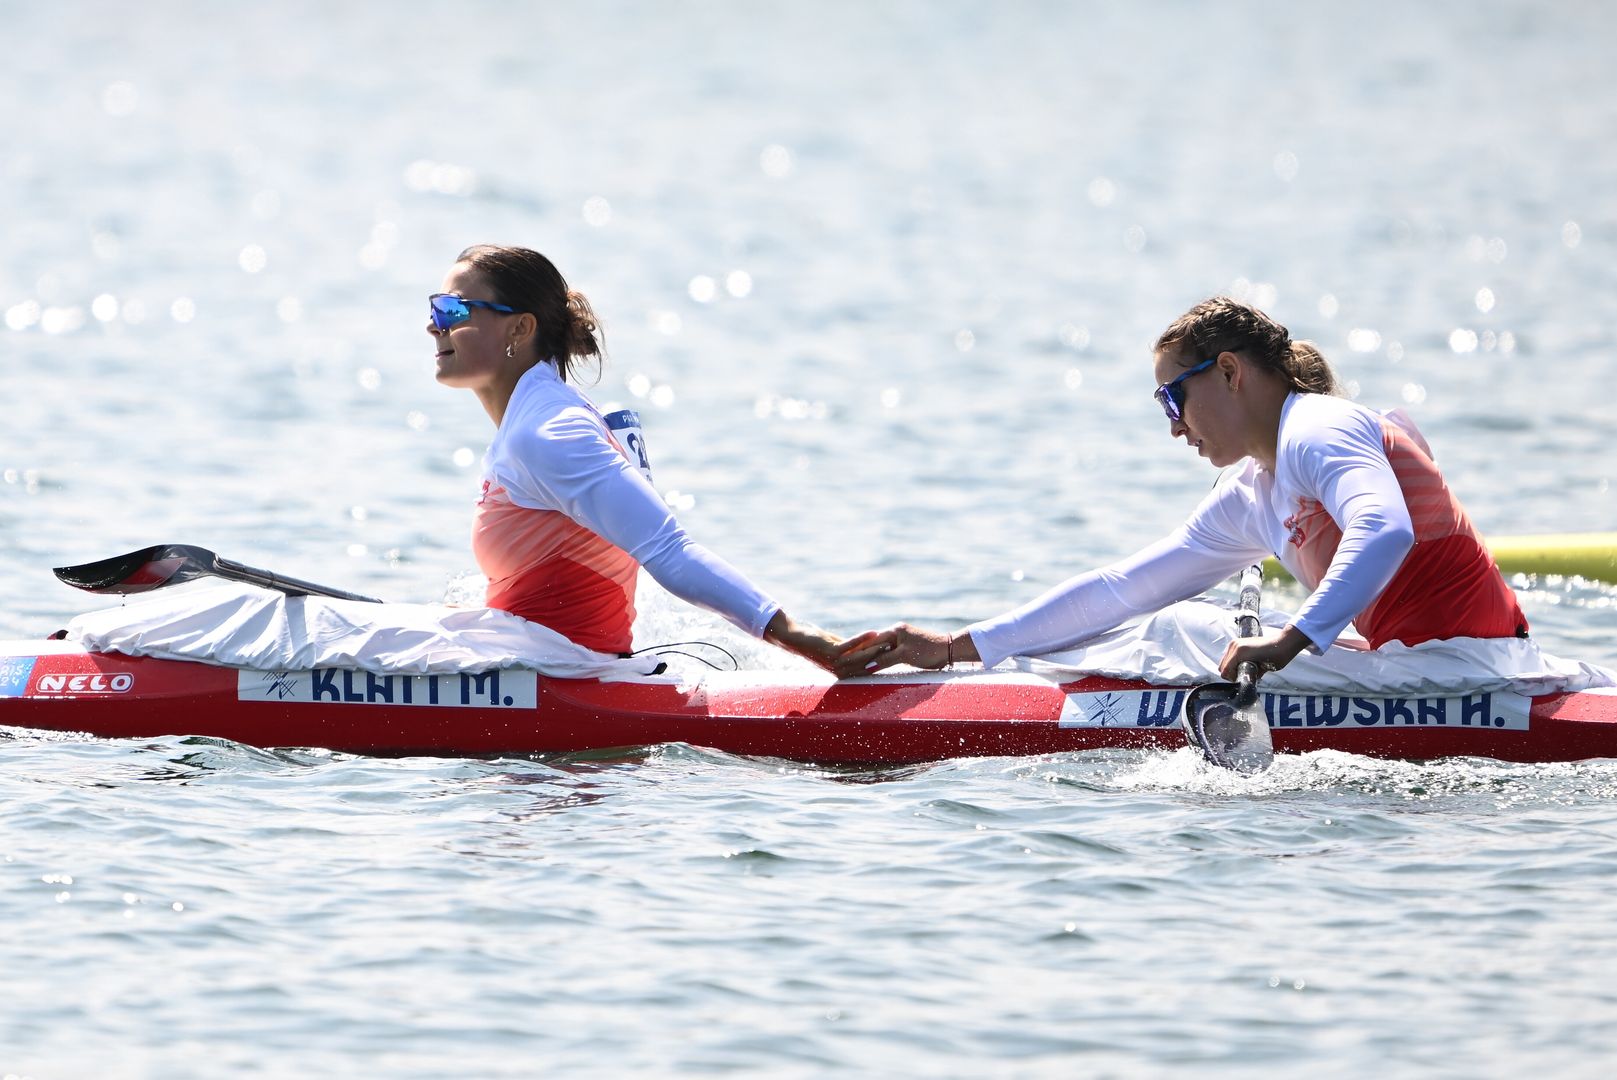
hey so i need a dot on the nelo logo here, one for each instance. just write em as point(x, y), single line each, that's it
point(120, 683)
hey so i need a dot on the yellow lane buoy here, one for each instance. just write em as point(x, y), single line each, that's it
point(1588, 555)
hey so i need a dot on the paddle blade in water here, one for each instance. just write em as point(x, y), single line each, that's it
point(1228, 735)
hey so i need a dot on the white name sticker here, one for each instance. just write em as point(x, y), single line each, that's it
point(341, 686)
point(1161, 708)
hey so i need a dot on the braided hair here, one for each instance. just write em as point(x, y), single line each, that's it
point(1223, 325)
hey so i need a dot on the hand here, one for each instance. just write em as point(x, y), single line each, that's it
point(1270, 651)
point(807, 641)
point(872, 651)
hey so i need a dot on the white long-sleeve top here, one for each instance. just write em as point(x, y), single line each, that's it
point(565, 517)
point(1333, 511)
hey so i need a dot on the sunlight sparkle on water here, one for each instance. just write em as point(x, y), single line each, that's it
point(61, 320)
point(1285, 165)
point(1363, 340)
point(1260, 294)
point(104, 307)
point(790, 408)
point(1485, 300)
point(1485, 249)
point(597, 211)
point(1074, 337)
point(22, 316)
point(1571, 234)
point(183, 310)
point(252, 258)
point(1463, 341)
point(1102, 192)
point(1328, 306)
point(738, 283)
point(28, 478)
point(439, 177)
point(775, 161)
point(703, 289)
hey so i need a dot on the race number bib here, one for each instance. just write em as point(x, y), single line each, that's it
point(625, 427)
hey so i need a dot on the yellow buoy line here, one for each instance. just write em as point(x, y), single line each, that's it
point(1586, 555)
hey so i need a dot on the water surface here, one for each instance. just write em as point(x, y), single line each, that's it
point(882, 282)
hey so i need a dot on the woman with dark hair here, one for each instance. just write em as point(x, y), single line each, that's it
point(567, 515)
point(1348, 499)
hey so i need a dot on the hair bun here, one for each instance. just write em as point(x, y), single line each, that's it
point(582, 326)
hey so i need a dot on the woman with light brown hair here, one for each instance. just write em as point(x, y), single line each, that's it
point(567, 514)
point(1348, 499)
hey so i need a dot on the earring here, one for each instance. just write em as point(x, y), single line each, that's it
point(510, 353)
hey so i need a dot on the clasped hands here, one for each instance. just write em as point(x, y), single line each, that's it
point(873, 650)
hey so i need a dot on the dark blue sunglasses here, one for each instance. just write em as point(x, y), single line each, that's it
point(1171, 395)
point(449, 310)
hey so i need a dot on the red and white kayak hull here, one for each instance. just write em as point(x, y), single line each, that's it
point(885, 719)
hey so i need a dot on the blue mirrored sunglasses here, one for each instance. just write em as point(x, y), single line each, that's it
point(449, 310)
point(1171, 395)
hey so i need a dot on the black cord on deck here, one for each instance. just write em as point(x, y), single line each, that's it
point(672, 649)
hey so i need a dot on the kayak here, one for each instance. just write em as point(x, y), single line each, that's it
point(892, 718)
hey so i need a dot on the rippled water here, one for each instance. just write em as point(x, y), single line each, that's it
point(882, 281)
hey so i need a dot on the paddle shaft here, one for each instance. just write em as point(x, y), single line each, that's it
point(235, 571)
point(1222, 720)
point(1247, 625)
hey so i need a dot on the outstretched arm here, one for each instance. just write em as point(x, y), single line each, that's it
point(1218, 540)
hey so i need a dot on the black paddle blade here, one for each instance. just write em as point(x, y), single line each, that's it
point(169, 564)
point(1228, 734)
point(140, 571)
